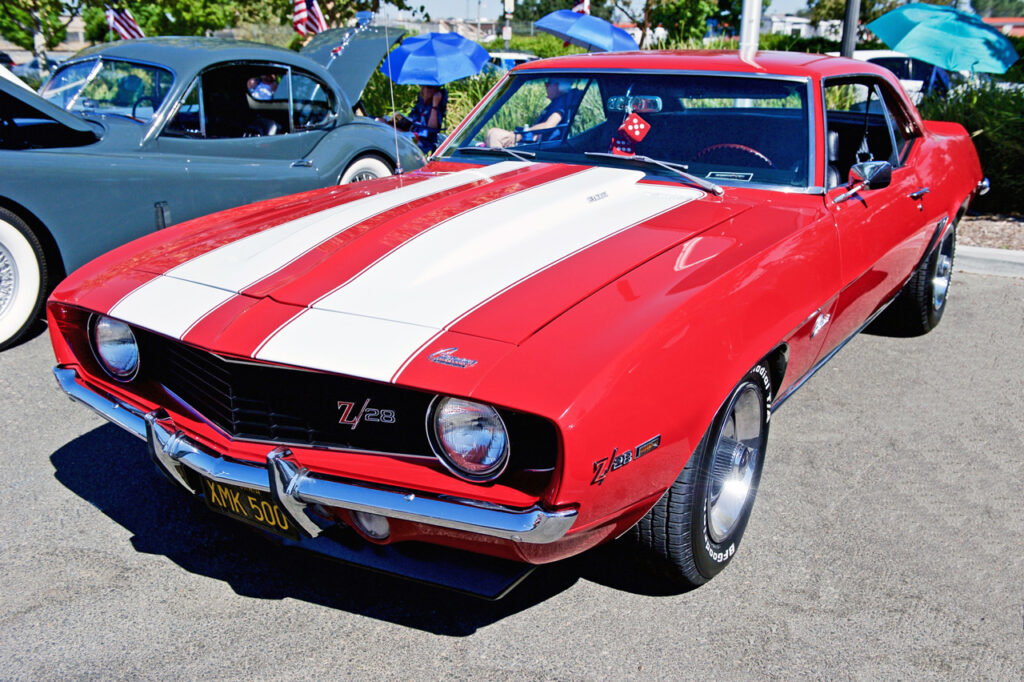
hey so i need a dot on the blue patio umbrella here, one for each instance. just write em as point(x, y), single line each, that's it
point(946, 37)
point(584, 30)
point(434, 59)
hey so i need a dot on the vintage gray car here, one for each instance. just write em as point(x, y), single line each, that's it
point(131, 137)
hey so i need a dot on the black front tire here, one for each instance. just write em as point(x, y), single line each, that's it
point(684, 535)
point(919, 306)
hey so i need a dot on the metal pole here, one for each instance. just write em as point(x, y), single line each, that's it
point(850, 27)
point(479, 35)
point(750, 28)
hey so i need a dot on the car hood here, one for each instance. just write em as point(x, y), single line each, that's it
point(491, 253)
point(351, 55)
point(29, 100)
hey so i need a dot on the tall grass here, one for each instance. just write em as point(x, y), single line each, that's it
point(994, 117)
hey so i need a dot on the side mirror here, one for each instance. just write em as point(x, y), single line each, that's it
point(867, 175)
point(871, 174)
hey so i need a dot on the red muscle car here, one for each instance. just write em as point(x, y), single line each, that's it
point(572, 324)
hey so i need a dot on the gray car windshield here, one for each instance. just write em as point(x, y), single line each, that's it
point(105, 86)
point(731, 130)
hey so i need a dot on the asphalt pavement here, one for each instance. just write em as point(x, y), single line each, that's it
point(887, 541)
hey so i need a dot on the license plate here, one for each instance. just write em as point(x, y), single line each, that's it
point(246, 504)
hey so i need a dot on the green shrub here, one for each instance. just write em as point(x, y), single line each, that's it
point(994, 117)
point(463, 95)
point(541, 44)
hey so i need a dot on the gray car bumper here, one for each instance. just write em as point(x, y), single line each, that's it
point(296, 488)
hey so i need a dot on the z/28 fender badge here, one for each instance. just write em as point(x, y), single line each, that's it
point(605, 466)
point(446, 356)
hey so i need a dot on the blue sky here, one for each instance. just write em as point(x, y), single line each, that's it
point(440, 9)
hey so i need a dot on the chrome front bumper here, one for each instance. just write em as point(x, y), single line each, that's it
point(296, 488)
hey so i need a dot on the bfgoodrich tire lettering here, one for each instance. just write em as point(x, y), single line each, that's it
point(693, 532)
point(23, 278)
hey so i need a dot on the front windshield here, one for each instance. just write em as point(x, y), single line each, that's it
point(731, 130)
point(105, 86)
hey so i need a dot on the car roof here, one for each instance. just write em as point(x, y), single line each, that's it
point(188, 54)
point(795, 64)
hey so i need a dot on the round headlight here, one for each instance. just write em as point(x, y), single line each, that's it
point(115, 346)
point(470, 438)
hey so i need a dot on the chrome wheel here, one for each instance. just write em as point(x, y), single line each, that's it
point(365, 175)
point(8, 279)
point(735, 461)
point(943, 271)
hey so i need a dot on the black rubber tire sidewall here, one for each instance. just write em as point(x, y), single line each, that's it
point(711, 557)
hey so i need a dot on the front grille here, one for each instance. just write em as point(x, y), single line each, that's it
point(281, 405)
point(252, 401)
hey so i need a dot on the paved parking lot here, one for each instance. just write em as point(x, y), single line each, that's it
point(887, 541)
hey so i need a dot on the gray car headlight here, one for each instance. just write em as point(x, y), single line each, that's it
point(470, 438)
point(116, 347)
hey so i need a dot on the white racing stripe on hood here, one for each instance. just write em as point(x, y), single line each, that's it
point(246, 261)
point(234, 266)
point(434, 279)
point(169, 306)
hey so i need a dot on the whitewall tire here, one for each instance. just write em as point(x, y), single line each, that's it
point(365, 168)
point(22, 278)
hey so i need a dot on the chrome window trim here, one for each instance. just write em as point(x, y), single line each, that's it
point(809, 188)
point(876, 81)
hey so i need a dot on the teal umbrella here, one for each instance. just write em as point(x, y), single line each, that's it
point(946, 37)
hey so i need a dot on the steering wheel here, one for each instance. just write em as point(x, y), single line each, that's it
point(135, 106)
point(728, 148)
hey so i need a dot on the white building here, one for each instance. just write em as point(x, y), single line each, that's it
point(787, 24)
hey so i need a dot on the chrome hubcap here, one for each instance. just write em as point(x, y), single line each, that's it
point(737, 455)
point(943, 272)
point(8, 280)
point(362, 176)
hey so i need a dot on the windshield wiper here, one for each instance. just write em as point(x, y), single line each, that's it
point(677, 168)
point(498, 151)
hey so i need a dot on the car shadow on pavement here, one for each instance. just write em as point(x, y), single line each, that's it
point(110, 469)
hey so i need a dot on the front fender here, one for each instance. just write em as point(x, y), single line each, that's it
point(362, 136)
point(652, 356)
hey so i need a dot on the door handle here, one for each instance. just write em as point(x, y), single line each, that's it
point(919, 193)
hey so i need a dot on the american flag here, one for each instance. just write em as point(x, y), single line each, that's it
point(307, 17)
point(123, 23)
point(582, 7)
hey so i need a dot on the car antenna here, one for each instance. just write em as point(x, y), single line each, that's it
point(391, 90)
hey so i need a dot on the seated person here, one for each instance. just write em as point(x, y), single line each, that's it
point(557, 112)
point(426, 118)
point(263, 87)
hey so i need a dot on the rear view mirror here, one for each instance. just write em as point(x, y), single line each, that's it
point(641, 104)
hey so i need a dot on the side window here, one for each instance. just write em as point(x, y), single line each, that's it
point(903, 129)
point(590, 112)
point(311, 101)
point(188, 122)
point(858, 125)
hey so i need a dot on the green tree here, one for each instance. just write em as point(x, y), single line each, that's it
point(730, 11)
point(683, 19)
point(201, 17)
point(999, 8)
point(823, 10)
point(36, 25)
